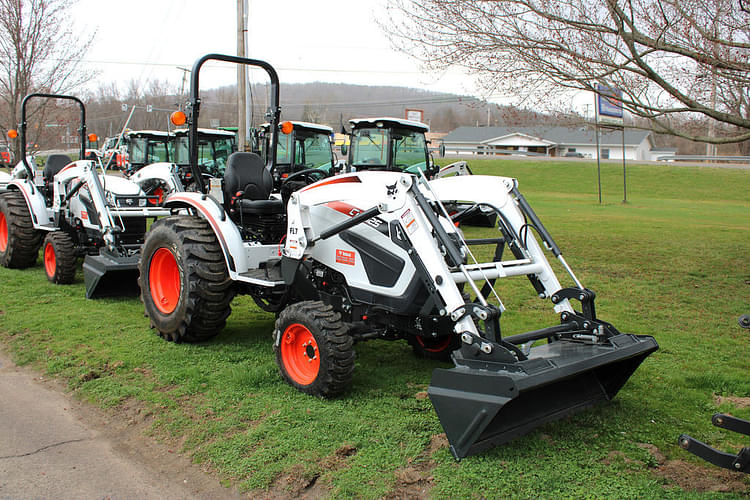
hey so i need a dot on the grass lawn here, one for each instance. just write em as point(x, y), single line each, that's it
point(673, 263)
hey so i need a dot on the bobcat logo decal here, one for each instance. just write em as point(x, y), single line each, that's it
point(391, 190)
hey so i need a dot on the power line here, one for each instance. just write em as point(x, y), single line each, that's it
point(225, 67)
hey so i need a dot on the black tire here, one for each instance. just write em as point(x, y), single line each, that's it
point(323, 367)
point(193, 295)
point(19, 241)
point(439, 348)
point(60, 258)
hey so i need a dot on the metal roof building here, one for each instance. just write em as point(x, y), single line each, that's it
point(551, 141)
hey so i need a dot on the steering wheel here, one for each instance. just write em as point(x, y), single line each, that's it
point(309, 175)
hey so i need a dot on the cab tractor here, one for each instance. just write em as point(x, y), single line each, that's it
point(214, 148)
point(301, 146)
point(394, 144)
point(134, 149)
point(375, 255)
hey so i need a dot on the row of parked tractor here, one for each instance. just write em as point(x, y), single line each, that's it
point(340, 251)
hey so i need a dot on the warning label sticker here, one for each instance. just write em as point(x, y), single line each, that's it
point(345, 257)
point(407, 219)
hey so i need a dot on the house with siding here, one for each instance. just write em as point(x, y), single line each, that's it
point(553, 142)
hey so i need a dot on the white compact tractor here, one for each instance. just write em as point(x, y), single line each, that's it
point(73, 211)
point(374, 255)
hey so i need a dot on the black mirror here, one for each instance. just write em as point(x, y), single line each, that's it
point(344, 149)
point(442, 150)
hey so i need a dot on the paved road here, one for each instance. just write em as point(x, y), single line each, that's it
point(50, 448)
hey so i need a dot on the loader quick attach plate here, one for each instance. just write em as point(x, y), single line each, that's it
point(107, 275)
point(483, 404)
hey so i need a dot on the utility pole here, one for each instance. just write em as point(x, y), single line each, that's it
point(248, 90)
point(241, 78)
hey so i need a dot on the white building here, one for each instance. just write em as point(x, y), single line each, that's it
point(553, 141)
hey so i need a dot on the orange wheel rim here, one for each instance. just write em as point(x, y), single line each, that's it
point(436, 345)
point(164, 281)
point(300, 354)
point(50, 261)
point(3, 233)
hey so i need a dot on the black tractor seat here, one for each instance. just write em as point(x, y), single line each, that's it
point(53, 165)
point(248, 185)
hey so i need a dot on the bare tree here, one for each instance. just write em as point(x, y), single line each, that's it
point(671, 58)
point(39, 52)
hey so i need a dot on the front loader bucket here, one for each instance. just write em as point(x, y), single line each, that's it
point(489, 404)
point(107, 275)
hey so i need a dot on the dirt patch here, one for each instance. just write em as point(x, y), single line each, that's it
point(735, 401)
point(296, 483)
point(654, 452)
point(337, 460)
point(696, 477)
point(415, 480)
point(689, 476)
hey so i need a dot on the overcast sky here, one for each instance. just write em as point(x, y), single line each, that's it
point(312, 40)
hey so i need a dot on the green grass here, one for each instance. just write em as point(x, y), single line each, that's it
point(672, 262)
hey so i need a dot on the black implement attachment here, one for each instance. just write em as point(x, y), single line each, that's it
point(107, 274)
point(739, 462)
point(498, 391)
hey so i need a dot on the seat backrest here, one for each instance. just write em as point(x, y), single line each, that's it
point(54, 164)
point(246, 172)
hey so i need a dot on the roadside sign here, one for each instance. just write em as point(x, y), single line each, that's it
point(415, 115)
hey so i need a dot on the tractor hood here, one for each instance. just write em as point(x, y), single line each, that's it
point(119, 186)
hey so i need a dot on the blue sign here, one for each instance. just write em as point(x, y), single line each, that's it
point(609, 101)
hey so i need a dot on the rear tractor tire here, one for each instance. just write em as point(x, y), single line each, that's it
point(438, 348)
point(59, 258)
point(313, 349)
point(185, 285)
point(19, 241)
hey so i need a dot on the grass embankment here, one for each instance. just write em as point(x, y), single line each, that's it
point(673, 263)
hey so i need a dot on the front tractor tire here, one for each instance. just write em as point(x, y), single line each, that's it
point(19, 241)
point(313, 349)
point(185, 285)
point(59, 258)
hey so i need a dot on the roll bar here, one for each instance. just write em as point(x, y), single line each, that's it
point(82, 154)
point(194, 108)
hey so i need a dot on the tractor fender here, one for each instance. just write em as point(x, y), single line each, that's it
point(224, 228)
point(41, 217)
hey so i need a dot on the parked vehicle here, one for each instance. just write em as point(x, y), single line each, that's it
point(375, 255)
point(72, 211)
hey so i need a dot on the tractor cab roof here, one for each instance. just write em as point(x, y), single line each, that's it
point(149, 133)
point(180, 132)
point(315, 127)
point(386, 122)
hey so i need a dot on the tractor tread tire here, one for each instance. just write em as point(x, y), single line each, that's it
point(23, 240)
point(207, 291)
point(66, 258)
point(335, 344)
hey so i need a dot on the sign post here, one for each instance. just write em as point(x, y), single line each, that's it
point(609, 115)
